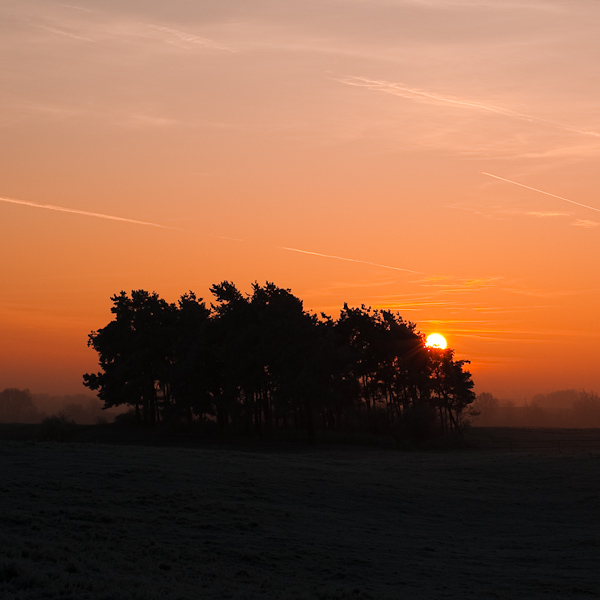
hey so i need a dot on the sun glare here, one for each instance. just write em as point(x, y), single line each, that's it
point(436, 340)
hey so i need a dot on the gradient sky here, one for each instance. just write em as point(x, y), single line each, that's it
point(449, 148)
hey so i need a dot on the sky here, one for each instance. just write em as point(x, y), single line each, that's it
point(436, 158)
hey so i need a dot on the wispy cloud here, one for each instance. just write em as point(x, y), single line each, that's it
point(143, 115)
point(418, 95)
point(354, 260)
point(541, 293)
point(335, 287)
point(519, 335)
point(541, 191)
point(56, 111)
point(183, 38)
point(545, 214)
point(108, 28)
point(500, 4)
point(477, 303)
point(472, 311)
point(501, 212)
point(585, 223)
point(419, 305)
point(508, 310)
point(447, 284)
point(75, 36)
point(81, 8)
point(85, 213)
point(144, 120)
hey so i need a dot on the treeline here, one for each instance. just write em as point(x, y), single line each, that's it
point(564, 408)
point(21, 406)
point(254, 362)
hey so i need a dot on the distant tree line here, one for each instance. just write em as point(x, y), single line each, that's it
point(563, 408)
point(17, 406)
point(21, 406)
point(259, 361)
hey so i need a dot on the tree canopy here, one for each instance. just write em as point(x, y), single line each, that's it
point(258, 361)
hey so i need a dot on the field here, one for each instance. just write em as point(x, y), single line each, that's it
point(106, 521)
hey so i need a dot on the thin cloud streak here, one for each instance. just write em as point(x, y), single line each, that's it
point(397, 89)
point(190, 38)
point(86, 213)
point(87, 10)
point(147, 223)
point(74, 36)
point(585, 223)
point(540, 191)
point(537, 213)
point(363, 262)
point(501, 212)
point(446, 284)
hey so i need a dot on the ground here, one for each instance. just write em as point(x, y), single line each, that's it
point(108, 521)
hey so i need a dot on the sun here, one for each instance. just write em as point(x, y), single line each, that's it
point(436, 340)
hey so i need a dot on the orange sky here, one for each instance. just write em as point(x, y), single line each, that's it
point(360, 130)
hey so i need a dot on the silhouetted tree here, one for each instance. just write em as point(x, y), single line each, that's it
point(135, 352)
point(340, 388)
point(234, 341)
point(586, 410)
point(191, 372)
point(17, 406)
point(265, 347)
point(389, 360)
point(485, 407)
point(289, 351)
point(452, 389)
point(358, 329)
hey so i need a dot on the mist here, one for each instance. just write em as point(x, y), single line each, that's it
point(21, 406)
point(564, 408)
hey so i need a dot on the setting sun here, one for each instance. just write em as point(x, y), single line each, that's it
point(436, 340)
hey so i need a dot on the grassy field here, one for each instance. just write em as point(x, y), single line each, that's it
point(106, 521)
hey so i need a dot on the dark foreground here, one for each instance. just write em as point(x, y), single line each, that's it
point(109, 522)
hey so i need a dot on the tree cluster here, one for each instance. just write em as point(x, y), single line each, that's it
point(258, 361)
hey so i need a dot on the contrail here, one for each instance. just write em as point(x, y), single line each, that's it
point(398, 89)
point(540, 191)
point(85, 213)
point(364, 262)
